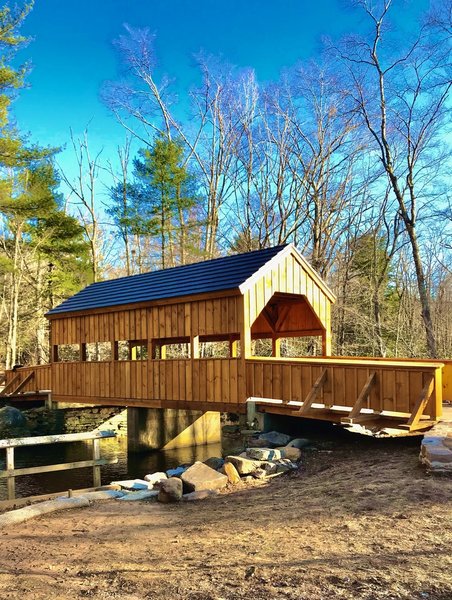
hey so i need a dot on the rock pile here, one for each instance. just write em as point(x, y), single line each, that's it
point(268, 455)
point(436, 448)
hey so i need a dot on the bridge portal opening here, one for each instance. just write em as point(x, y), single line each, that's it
point(288, 326)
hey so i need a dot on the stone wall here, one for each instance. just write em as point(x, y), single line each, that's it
point(44, 421)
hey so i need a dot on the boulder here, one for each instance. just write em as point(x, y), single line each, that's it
point(140, 495)
point(154, 478)
point(201, 495)
point(263, 453)
point(214, 462)
point(245, 466)
point(11, 419)
point(230, 428)
point(132, 484)
point(259, 474)
point(269, 467)
point(275, 439)
point(170, 490)
point(231, 473)
point(200, 477)
point(257, 443)
point(299, 443)
point(177, 472)
point(290, 452)
point(249, 431)
point(284, 465)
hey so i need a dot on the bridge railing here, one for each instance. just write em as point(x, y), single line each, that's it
point(382, 386)
point(398, 386)
point(39, 378)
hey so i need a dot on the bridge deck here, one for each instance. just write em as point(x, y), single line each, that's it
point(349, 390)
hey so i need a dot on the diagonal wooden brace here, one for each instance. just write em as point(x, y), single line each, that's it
point(420, 405)
point(354, 414)
point(316, 388)
point(14, 381)
point(22, 384)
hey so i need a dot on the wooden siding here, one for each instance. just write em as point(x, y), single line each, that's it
point(210, 316)
point(397, 387)
point(214, 384)
point(42, 377)
point(287, 275)
point(207, 381)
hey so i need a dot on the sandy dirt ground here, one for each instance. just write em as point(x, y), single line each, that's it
point(359, 520)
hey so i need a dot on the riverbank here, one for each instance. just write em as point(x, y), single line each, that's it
point(360, 520)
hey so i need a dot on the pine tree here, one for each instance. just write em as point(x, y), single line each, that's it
point(166, 191)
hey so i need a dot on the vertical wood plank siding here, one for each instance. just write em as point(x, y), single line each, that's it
point(397, 385)
point(218, 381)
point(205, 317)
point(289, 276)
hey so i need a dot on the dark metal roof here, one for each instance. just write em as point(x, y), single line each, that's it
point(214, 275)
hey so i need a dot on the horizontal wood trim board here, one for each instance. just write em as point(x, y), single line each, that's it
point(125, 402)
point(54, 439)
point(81, 464)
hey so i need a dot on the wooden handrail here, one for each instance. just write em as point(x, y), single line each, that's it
point(11, 472)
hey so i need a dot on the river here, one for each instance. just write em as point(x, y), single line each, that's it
point(129, 466)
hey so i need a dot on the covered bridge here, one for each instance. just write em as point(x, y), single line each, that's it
point(182, 338)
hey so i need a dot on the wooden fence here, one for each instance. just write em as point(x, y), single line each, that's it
point(10, 444)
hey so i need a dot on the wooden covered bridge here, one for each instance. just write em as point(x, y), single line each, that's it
point(183, 338)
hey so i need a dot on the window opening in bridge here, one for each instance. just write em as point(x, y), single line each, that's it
point(138, 350)
point(219, 347)
point(67, 352)
point(174, 348)
point(97, 351)
point(261, 347)
point(214, 349)
point(175, 351)
point(301, 346)
point(122, 350)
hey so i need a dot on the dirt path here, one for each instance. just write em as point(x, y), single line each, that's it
point(360, 521)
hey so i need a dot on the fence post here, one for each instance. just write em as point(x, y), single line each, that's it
point(96, 469)
point(11, 482)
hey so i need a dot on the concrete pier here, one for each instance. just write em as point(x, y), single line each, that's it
point(168, 428)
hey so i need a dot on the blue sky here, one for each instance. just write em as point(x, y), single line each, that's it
point(72, 52)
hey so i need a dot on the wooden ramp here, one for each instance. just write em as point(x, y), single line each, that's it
point(359, 393)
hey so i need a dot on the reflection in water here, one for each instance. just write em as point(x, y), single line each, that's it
point(128, 466)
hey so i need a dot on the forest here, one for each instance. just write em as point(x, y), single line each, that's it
point(348, 157)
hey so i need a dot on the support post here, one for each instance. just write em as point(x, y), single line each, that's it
point(11, 482)
point(437, 402)
point(195, 346)
point(233, 348)
point(97, 482)
point(354, 414)
point(315, 390)
point(250, 412)
point(276, 347)
point(421, 403)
